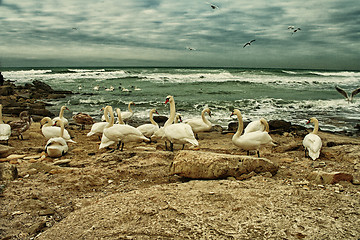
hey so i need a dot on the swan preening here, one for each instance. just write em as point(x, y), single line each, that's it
point(252, 140)
point(121, 133)
point(312, 142)
point(348, 98)
point(179, 133)
point(57, 146)
point(50, 131)
point(258, 125)
point(200, 124)
point(5, 129)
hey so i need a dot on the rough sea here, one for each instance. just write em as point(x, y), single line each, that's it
point(291, 95)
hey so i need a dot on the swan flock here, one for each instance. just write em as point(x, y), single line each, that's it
point(255, 137)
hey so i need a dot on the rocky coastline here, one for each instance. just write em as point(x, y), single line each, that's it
point(29, 97)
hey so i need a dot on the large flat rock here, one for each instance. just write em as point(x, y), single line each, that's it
point(206, 165)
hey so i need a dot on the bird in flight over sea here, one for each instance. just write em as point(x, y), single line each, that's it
point(248, 43)
point(213, 6)
point(293, 29)
point(191, 49)
point(353, 93)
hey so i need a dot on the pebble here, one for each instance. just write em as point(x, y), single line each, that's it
point(33, 157)
point(15, 156)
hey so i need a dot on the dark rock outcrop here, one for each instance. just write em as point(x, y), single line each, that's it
point(16, 99)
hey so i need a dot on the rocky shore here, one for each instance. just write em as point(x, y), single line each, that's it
point(145, 192)
point(28, 97)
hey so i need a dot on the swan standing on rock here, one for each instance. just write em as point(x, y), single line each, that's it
point(258, 125)
point(121, 133)
point(252, 140)
point(57, 146)
point(200, 124)
point(20, 126)
point(179, 133)
point(127, 115)
point(5, 129)
point(150, 128)
point(50, 131)
point(61, 116)
point(312, 142)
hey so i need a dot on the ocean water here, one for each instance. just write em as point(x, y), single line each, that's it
point(291, 95)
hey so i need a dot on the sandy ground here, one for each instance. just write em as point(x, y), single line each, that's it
point(96, 194)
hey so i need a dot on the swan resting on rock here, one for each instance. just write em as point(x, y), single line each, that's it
point(312, 142)
point(57, 146)
point(252, 140)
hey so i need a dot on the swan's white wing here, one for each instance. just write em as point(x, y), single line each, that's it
point(197, 125)
point(148, 129)
point(97, 128)
point(254, 126)
point(5, 131)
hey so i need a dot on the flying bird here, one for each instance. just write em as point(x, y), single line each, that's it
point(191, 49)
point(249, 43)
point(213, 6)
point(353, 93)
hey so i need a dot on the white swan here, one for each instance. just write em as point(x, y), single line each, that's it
point(312, 142)
point(57, 146)
point(150, 128)
point(106, 142)
point(50, 131)
point(121, 133)
point(250, 141)
point(200, 124)
point(179, 133)
point(257, 125)
point(128, 114)
point(110, 89)
point(61, 116)
point(5, 129)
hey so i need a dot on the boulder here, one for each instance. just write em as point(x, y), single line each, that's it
point(205, 165)
point(8, 172)
point(5, 151)
point(321, 177)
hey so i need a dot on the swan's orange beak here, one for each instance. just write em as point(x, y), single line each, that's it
point(157, 112)
point(67, 109)
point(167, 100)
point(308, 122)
point(232, 114)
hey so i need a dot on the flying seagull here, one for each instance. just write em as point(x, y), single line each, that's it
point(295, 30)
point(213, 6)
point(248, 43)
point(191, 49)
point(353, 93)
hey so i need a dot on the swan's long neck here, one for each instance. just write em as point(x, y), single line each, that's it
point(207, 122)
point(266, 124)
point(152, 119)
point(108, 110)
point(1, 119)
point(61, 114)
point(240, 126)
point(62, 129)
point(119, 116)
point(316, 126)
point(130, 110)
point(172, 113)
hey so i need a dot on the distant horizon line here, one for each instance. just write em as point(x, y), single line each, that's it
point(183, 67)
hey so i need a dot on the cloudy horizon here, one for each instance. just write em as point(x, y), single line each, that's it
point(161, 33)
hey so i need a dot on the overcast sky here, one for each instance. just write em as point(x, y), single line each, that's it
point(158, 33)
